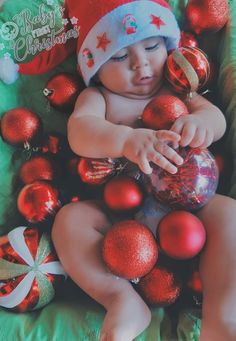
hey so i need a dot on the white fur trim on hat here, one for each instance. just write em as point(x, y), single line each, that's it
point(124, 26)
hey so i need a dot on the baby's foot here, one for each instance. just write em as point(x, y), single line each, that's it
point(127, 316)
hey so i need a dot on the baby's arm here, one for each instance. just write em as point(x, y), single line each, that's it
point(204, 125)
point(91, 135)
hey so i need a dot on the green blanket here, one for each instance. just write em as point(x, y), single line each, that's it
point(72, 315)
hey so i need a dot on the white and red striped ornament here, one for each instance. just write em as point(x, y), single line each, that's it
point(29, 269)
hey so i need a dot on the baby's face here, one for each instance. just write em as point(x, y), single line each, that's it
point(137, 70)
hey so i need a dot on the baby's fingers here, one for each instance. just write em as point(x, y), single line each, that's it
point(168, 135)
point(169, 153)
point(145, 166)
point(162, 162)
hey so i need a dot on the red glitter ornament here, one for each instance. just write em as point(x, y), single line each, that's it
point(96, 171)
point(187, 69)
point(181, 235)
point(123, 194)
point(188, 39)
point(160, 287)
point(62, 91)
point(207, 16)
point(192, 186)
point(162, 111)
point(29, 269)
point(20, 127)
point(39, 168)
point(38, 201)
point(129, 249)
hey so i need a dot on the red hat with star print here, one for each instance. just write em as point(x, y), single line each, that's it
point(105, 27)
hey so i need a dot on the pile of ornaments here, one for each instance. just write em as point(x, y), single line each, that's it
point(53, 176)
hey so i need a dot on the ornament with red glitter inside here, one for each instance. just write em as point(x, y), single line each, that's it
point(187, 69)
point(38, 201)
point(129, 249)
point(162, 111)
point(20, 127)
point(207, 16)
point(188, 39)
point(62, 91)
point(192, 186)
point(29, 269)
point(160, 287)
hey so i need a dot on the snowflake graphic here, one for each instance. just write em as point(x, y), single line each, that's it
point(74, 20)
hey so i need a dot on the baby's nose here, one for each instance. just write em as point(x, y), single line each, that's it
point(139, 61)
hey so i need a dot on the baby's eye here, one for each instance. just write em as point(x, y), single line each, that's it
point(152, 48)
point(119, 58)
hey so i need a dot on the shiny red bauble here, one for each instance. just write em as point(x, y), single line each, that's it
point(62, 91)
point(123, 194)
point(129, 249)
point(20, 127)
point(162, 111)
point(181, 235)
point(160, 287)
point(192, 186)
point(188, 39)
point(206, 16)
point(29, 269)
point(38, 168)
point(187, 69)
point(38, 201)
point(96, 171)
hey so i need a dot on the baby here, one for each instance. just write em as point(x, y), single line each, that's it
point(122, 50)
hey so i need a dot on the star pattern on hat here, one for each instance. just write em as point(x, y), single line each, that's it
point(156, 21)
point(103, 41)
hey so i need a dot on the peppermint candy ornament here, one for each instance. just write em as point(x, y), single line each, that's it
point(29, 269)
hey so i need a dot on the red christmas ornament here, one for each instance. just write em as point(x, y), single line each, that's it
point(206, 16)
point(20, 127)
point(129, 249)
point(188, 39)
point(181, 235)
point(187, 69)
point(160, 287)
point(96, 171)
point(123, 193)
point(37, 201)
point(194, 283)
point(56, 144)
point(62, 91)
point(162, 111)
point(39, 168)
point(29, 269)
point(192, 186)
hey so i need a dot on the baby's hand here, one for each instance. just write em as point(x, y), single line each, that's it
point(194, 131)
point(144, 145)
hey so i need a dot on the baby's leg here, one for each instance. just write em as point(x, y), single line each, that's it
point(77, 234)
point(218, 270)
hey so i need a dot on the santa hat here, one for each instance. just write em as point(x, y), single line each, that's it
point(106, 26)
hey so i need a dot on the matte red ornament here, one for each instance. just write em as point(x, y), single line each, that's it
point(96, 171)
point(188, 39)
point(207, 16)
point(187, 69)
point(160, 287)
point(62, 91)
point(38, 201)
point(181, 235)
point(162, 111)
point(20, 127)
point(29, 269)
point(39, 168)
point(129, 249)
point(192, 186)
point(123, 194)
